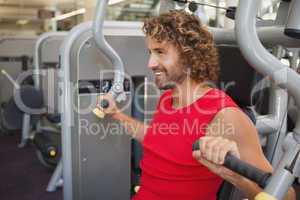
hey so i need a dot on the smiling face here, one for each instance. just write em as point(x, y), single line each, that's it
point(165, 63)
point(178, 42)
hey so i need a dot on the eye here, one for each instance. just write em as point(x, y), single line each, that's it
point(159, 52)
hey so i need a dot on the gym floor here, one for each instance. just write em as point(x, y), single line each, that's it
point(24, 177)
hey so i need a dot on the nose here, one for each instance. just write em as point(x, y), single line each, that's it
point(153, 62)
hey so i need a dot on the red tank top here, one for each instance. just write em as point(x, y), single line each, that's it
point(169, 171)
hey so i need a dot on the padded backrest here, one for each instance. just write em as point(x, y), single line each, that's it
point(30, 97)
point(237, 79)
point(27, 98)
point(236, 76)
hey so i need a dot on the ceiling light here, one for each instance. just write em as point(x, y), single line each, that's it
point(22, 22)
point(112, 2)
point(70, 14)
point(80, 11)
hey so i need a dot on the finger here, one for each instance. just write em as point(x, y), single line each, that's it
point(105, 101)
point(234, 149)
point(99, 100)
point(223, 152)
point(218, 151)
point(230, 147)
point(217, 148)
point(212, 149)
point(196, 155)
point(203, 144)
point(102, 108)
point(99, 107)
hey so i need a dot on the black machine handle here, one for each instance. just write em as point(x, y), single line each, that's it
point(241, 167)
point(104, 103)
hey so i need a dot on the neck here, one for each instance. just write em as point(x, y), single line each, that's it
point(187, 92)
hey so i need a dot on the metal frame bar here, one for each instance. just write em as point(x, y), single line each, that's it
point(66, 100)
point(107, 50)
point(3, 39)
point(37, 53)
point(25, 130)
point(259, 57)
point(267, 35)
point(278, 107)
point(37, 62)
point(56, 178)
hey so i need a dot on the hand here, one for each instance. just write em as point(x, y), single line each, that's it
point(212, 155)
point(112, 107)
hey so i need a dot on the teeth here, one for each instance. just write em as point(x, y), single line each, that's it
point(157, 73)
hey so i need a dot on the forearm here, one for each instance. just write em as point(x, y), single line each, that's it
point(251, 189)
point(135, 128)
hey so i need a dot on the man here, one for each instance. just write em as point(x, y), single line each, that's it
point(183, 57)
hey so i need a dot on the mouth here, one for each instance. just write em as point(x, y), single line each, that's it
point(158, 73)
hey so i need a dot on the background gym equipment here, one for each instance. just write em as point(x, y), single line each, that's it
point(12, 118)
point(47, 136)
point(35, 107)
point(13, 62)
point(46, 66)
point(292, 28)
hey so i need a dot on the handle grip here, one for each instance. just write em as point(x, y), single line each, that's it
point(103, 104)
point(241, 167)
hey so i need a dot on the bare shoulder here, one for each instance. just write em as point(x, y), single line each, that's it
point(233, 124)
point(228, 122)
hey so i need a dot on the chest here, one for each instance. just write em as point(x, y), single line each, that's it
point(174, 133)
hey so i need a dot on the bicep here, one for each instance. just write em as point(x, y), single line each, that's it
point(233, 124)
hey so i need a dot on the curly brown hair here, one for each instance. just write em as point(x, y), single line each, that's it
point(194, 42)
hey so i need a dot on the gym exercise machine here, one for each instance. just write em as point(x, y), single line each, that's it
point(288, 168)
point(88, 168)
point(84, 66)
point(47, 133)
point(275, 185)
point(31, 104)
point(121, 35)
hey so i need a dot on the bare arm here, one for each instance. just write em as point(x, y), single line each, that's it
point(232, 131)
point(135, 128)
